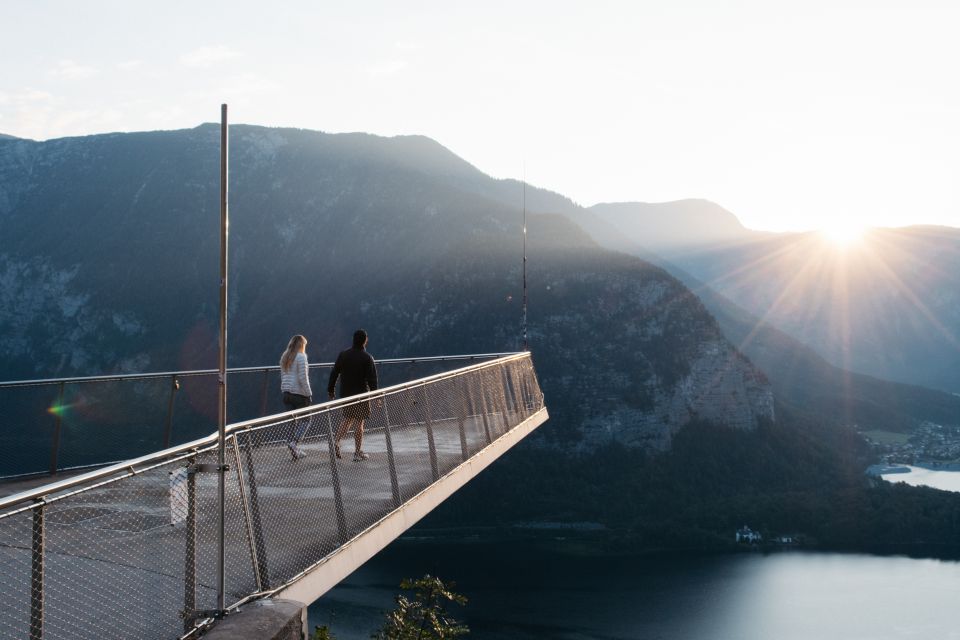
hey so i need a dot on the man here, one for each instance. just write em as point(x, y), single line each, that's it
point(358, 374)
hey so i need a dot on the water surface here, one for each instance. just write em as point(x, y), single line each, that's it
point(531, 590)
point(918, 476)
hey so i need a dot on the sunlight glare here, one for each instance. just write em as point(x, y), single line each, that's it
point(843, 234)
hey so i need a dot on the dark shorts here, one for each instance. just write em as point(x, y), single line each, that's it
point(295, 401)
point(359, 411)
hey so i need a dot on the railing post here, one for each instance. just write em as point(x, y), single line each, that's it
point(255, 515)
point(168, 430)
point(251, 542)
point(335, 475)
point(509, 391)
point(190, 552)
point(525, 393)
point(36, 574)
point(462, 419)
point(515, 390)
point(391, 459)
point(55, 445)
point(483, 408)
point(500, 394)
point(434, 467)
point(263, 392)
point(528, 386)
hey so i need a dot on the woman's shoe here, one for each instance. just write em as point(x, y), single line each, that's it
point(336, 450)
point(359, 456)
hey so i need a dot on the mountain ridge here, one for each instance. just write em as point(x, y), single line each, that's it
point(660, 428)
point(333, 231)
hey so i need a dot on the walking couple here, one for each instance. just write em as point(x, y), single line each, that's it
point(357, 374)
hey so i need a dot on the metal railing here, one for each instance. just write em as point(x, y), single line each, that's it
point(143, 411)
point(130, 551)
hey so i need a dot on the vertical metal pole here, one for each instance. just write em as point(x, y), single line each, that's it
point(518, 389)
point(434, 467)
point(472, 411)
point(255, 514)
point(36, 574)
point(251, 542)
point(335, 475)
point(462, 418)
point(524, 392)
point(536, 396)
point(501, 395)
point(168, 431)
point(483, 409)
point(508, 397)
point(222, 374)
point(525, 345)
point(263, 392)
point(55, 445)
point(190, 552)
point(391, 459)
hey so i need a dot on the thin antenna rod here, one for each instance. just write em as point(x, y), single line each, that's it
point(222, 373)
point(526, 346)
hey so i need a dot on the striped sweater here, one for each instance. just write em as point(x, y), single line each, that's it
point(295, 379)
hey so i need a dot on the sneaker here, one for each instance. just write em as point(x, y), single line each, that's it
point(360, 456)
point(295, 451)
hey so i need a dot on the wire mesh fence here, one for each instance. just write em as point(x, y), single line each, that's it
point(47, 426)
point(132, 550)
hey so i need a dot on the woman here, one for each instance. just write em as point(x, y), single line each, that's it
point(295, 385)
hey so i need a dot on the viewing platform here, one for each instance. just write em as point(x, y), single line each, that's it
point(131, 550)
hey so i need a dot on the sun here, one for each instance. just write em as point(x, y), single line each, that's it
point(843, 233)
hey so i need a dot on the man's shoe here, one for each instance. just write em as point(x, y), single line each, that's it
point(360, 456)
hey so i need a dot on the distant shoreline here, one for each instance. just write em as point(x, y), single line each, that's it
point(885, 469)
point(938, 466)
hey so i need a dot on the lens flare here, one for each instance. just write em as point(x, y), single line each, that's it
point(843, 233)
point(58, 410)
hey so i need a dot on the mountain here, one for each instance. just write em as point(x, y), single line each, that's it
point(883, 306)
point(331, 232)
point(803, 378)
point(660, 428)
point(683, 223)
point(800, 376)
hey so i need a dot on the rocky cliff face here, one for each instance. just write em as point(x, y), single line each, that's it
point(721, 387)
point(328, 233)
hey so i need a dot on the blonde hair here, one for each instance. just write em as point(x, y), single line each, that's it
point(297, 344)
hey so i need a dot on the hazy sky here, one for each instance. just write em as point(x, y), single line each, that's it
point(791, 114)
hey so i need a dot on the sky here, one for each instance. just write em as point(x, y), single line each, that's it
point(792, 115)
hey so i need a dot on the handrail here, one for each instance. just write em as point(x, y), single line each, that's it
point(205, 372)
point(149, 521)
point(129, 466)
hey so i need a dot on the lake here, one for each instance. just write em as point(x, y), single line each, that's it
point(538, 590)
point(919, 476)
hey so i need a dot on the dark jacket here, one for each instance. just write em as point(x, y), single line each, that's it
point(356, 370)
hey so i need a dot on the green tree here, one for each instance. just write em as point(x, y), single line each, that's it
point(322, 633)
point(424, 617)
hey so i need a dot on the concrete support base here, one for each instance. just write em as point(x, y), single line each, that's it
point(268, 619)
